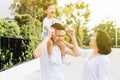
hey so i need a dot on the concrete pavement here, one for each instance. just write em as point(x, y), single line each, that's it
point(74, 71)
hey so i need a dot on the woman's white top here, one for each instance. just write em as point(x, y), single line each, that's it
point(97, 68)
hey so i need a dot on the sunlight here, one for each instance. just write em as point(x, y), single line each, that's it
point(100, 10)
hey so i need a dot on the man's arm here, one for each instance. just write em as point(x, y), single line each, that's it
point(40, 48)
point(68, 45)
point(75, 47)
point(70, 52)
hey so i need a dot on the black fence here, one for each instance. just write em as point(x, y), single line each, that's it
point(12, 51)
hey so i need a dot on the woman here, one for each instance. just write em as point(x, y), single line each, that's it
point(97, 64)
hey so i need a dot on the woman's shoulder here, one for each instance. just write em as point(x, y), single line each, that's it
point(85, 52)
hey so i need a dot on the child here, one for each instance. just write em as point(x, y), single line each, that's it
point(49, 9)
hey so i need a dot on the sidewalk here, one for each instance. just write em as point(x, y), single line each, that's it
point(74, 71)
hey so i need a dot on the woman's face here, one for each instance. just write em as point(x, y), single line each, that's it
point(92, 42)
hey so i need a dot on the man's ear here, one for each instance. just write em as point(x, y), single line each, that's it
point(53, 34)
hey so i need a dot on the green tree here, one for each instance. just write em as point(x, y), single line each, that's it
point(77, 16)
point(32, 7)
point(109, 27)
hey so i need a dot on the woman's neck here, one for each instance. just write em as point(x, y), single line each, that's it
point(95, 51)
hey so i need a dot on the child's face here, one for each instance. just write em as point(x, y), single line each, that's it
point(50, 11)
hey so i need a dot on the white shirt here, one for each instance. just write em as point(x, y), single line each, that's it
point(97, 68)
point(47, 23)
point(51, 71)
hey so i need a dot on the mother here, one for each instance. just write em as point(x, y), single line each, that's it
point(97, 64)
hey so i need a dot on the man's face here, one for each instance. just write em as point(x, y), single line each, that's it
point(58, 36)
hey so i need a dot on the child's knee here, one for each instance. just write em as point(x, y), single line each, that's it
point(50, 42)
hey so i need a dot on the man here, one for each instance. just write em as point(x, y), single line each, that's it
point(53, 71)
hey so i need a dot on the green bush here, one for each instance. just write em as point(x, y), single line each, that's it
point(22, 27)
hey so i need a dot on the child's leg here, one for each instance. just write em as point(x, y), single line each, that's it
point(50, 51)
point(50, 47)
point(64, 60)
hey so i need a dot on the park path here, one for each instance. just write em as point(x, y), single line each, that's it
point(74, 71)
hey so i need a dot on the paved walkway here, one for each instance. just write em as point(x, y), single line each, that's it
point(74, 71)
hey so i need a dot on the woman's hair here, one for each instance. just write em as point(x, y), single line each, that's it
point(45, 7)
point(58, 26)
point(104, 42)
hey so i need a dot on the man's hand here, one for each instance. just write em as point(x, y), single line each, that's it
point(61, 44)
point(70, 32)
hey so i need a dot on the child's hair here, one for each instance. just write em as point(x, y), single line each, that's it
point(45, 7)
point(58, 26)
point(104, 42)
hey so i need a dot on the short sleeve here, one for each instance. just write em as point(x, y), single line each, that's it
point(85, 52)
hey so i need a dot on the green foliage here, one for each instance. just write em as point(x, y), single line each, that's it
point(30, 27)
point(10, 29)
point(32, 7)
point(76, 16)
point(109, 27)
point(24, 27)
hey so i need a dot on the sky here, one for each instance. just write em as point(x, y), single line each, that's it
point(100, 10)
point(4, 8)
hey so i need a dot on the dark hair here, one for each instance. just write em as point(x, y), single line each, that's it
point(58, 26)
point(104, 42)
point(45, 7)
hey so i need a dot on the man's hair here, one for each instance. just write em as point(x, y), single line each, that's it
point(58, 26)
point(104, 42)
point(45, 7)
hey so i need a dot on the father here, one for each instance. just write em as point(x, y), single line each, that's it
point(54, 71)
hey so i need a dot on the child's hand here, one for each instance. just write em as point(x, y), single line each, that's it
point(50, 31)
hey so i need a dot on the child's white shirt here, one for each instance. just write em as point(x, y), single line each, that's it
point(47, 23)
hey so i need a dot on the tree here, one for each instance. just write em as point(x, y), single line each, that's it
point(77, 16)
point(32, 7)
point(109, 27)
